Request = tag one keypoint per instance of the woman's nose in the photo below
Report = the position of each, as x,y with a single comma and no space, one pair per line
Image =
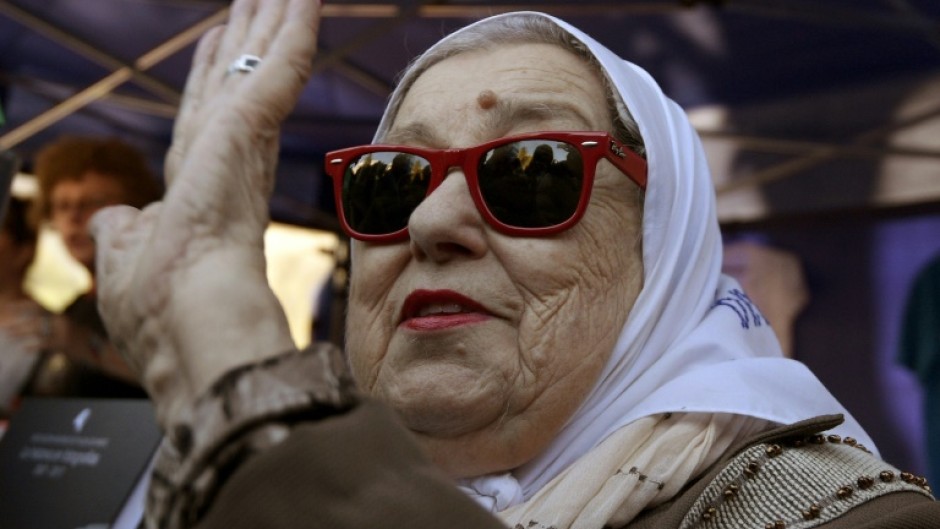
447,224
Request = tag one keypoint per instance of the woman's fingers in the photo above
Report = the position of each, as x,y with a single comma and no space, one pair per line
286,67
164,271
230,134
188,117
242,16
220,168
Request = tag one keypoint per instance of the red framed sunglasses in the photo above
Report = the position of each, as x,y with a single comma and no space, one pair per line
534,184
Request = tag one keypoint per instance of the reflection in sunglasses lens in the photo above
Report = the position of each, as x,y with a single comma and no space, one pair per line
381,189
531,183
525,184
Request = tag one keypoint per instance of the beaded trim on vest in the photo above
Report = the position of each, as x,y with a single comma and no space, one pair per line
796,485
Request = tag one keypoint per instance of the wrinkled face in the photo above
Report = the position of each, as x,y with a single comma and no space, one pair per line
73,202
486,343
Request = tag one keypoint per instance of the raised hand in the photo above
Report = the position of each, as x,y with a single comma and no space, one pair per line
182,284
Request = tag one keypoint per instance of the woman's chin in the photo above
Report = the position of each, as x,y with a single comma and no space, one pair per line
444,423
446,412
443,397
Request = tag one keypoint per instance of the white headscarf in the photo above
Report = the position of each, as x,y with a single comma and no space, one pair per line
693,342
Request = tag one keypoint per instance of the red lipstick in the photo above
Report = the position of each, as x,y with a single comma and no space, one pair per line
429,310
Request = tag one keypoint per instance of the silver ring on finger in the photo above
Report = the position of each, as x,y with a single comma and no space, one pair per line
245,63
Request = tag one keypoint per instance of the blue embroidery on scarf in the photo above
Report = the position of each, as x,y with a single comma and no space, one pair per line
742,305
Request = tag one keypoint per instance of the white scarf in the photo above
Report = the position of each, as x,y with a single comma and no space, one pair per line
693,343
639,466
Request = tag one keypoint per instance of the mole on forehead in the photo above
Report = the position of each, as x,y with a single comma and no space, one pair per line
501,114
487,99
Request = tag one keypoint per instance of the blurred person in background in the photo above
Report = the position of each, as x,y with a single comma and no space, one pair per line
25,326
77,177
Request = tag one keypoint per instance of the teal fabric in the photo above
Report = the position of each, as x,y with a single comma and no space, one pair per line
920,351
920,333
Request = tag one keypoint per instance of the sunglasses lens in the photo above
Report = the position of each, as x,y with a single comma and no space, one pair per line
381,189
532,183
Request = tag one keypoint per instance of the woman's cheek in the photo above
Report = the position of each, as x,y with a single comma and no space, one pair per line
367,340
370,320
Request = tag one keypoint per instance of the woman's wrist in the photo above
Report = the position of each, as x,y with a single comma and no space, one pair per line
217,319
248,410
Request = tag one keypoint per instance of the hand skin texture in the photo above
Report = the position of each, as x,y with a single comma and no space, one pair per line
182,285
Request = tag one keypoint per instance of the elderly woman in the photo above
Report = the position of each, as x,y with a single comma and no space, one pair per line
537,317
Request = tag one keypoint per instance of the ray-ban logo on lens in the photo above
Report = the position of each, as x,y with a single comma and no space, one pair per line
617,150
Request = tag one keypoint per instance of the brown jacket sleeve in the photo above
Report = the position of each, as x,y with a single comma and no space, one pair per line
361,469
356,470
